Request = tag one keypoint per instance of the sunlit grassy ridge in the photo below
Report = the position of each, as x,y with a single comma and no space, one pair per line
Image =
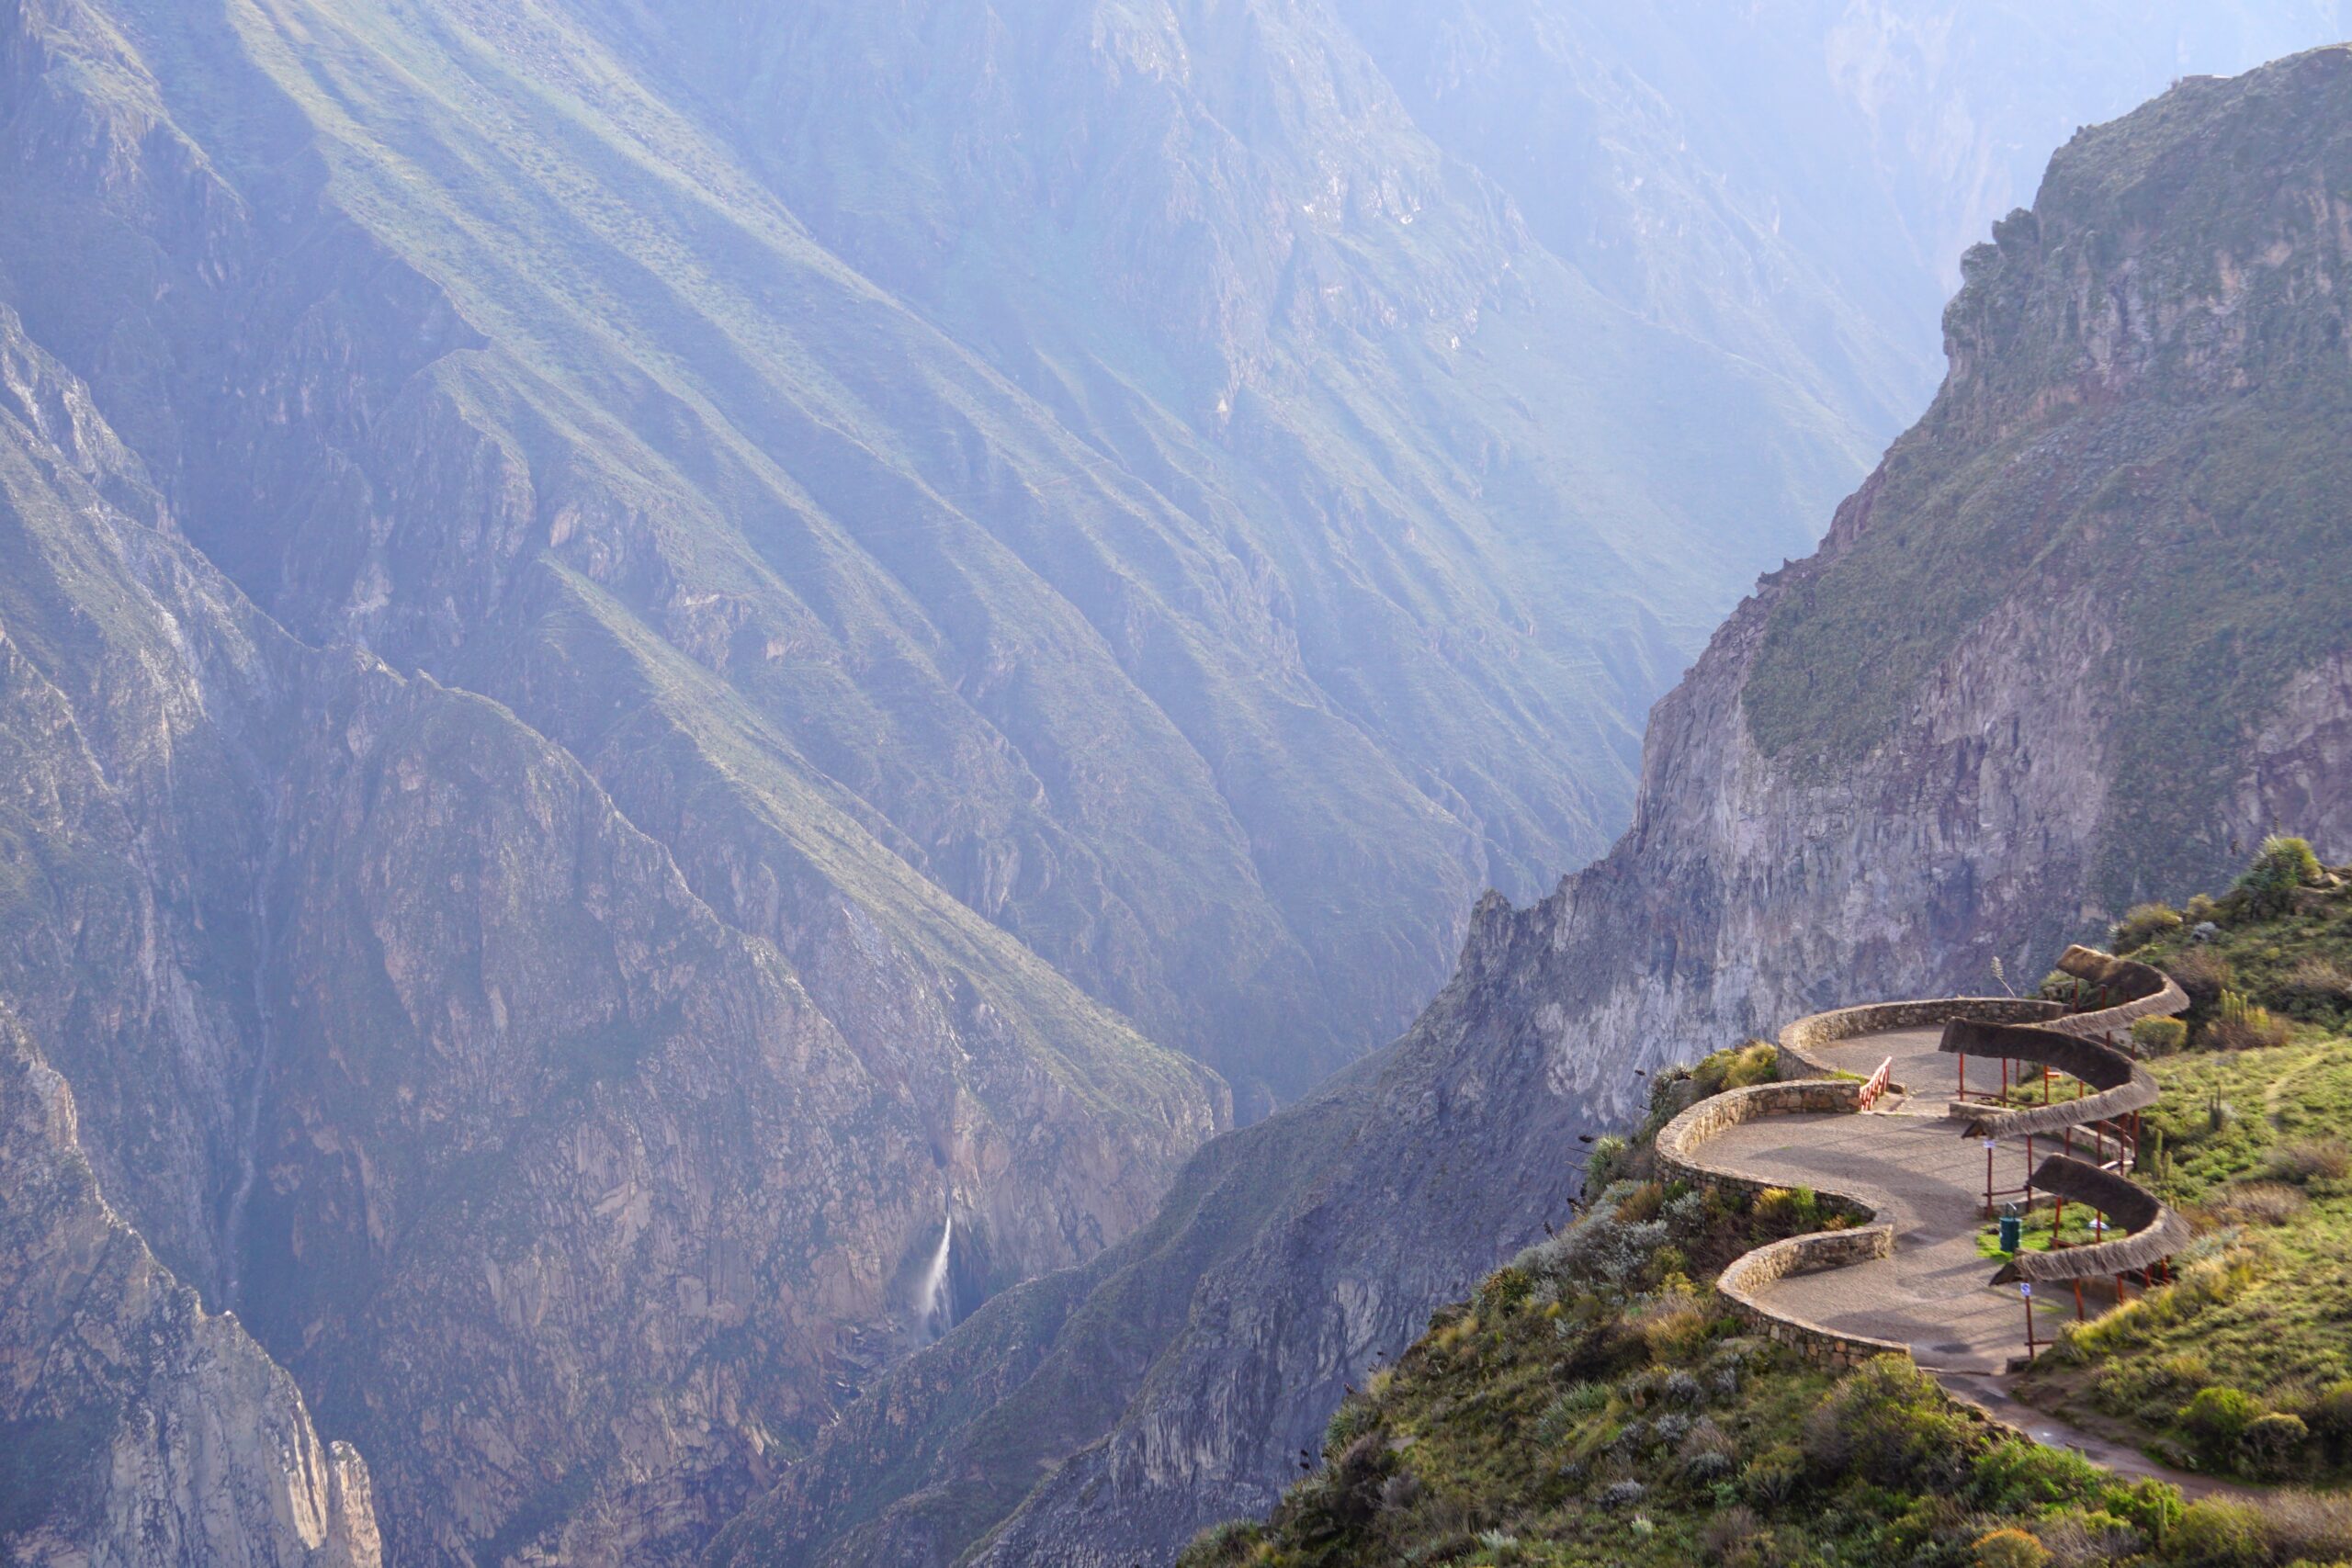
1594,1404
2245,1366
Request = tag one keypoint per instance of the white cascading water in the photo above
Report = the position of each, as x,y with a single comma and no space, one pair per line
938,1297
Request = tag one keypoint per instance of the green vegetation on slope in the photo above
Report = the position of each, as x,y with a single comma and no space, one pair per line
1595,1404
2244,1365
2172,477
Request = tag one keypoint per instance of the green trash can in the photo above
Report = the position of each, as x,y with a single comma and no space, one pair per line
2012,1233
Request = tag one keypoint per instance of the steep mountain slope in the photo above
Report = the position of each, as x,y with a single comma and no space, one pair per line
1208,661
1928,747
562,1198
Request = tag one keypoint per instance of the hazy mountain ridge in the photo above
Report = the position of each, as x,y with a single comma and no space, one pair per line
1976,818
600,731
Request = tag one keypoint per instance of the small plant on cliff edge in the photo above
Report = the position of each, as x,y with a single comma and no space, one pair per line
2142,923
2284,867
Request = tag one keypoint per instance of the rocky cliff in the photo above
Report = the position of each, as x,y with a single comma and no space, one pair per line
138,1431
2080,633
564,1199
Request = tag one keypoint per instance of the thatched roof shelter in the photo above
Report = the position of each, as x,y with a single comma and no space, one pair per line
2155,1232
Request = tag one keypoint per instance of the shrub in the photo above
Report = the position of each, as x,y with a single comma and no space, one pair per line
1789,1210
1355,1417
2011,1549
1674,1329
2261,1203
2218,1534
2243,1025
2284,866
1773,1476
2331,1416
2274,1442
2160,1036
1604,1164
2317,986
2142,923
1504,1291
1890,1424
1727,1535
2307,1527
2199,908
1622,1493
2216,1420
2204,976
2312,1159
1223,1546
1741,1067
1345,1494
2080,1540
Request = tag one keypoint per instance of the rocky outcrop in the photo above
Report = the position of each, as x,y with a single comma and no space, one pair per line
1964,731
138,1431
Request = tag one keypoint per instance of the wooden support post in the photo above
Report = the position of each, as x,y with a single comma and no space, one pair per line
2025,1290
2078,1301
2058,1215
1988,1179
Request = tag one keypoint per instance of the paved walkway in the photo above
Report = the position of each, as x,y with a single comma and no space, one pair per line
1908,1159
1912,1164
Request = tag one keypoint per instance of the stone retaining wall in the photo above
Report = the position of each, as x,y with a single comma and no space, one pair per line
1800,1040
1678,1141
1809,1254
1677,1147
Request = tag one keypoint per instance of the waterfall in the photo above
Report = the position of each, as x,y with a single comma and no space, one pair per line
935,1303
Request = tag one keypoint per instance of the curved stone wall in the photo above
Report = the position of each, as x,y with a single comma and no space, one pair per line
1800,1040
1678,1145
1809,1254
1811,1084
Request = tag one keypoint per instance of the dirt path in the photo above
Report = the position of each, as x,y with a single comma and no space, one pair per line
1991,1396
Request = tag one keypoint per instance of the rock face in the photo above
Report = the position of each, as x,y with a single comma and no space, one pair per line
566,1198
138,1431
2078,641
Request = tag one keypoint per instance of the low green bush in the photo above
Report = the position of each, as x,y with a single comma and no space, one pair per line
2330,1416
2142,923
2216,1533
2160,1036
2217,1420
2274,1442
1890,1424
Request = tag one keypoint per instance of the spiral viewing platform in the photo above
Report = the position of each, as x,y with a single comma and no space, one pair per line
1869,1115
